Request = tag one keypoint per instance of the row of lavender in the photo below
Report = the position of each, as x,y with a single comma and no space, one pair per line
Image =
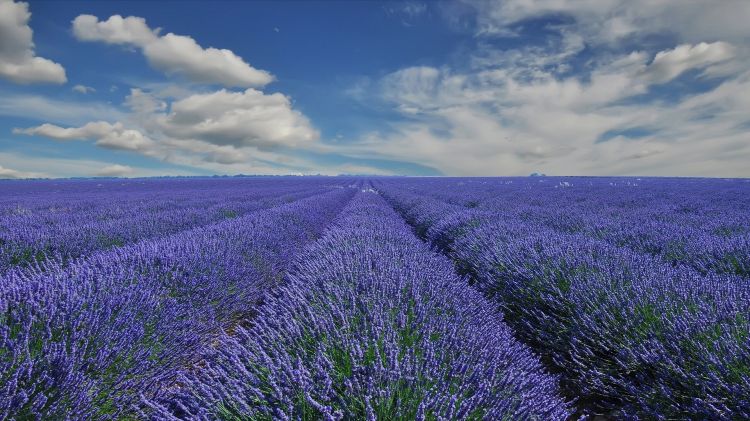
65,219
699,223
370,325
86,339
630,334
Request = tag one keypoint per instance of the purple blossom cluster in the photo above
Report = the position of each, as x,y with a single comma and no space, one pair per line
370,324
312,298
85,339
65,219
700,223
632,333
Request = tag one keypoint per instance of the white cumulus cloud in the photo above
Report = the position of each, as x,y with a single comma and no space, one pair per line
115,170
18,61
170,53
669,64
249,118
83,89
221,127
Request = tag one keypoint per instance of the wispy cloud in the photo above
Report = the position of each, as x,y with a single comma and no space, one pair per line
42,108
116,170
409,12
614,21
83,89
519,109
15,174
28,166
563,87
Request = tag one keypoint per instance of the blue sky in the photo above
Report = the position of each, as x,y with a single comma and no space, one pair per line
566,87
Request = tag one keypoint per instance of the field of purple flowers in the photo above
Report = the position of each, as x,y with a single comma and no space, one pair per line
306,298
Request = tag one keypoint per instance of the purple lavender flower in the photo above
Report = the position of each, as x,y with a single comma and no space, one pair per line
372,325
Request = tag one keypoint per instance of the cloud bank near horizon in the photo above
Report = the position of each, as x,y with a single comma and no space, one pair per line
563,87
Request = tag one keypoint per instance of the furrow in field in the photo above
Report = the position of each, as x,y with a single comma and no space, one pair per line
370,325
709,231
28,243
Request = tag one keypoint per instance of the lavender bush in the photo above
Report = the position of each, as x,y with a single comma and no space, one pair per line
632,336
700,223
65,220
85,340
371,325
298,298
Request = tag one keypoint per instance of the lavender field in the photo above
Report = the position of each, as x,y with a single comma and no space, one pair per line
382,298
